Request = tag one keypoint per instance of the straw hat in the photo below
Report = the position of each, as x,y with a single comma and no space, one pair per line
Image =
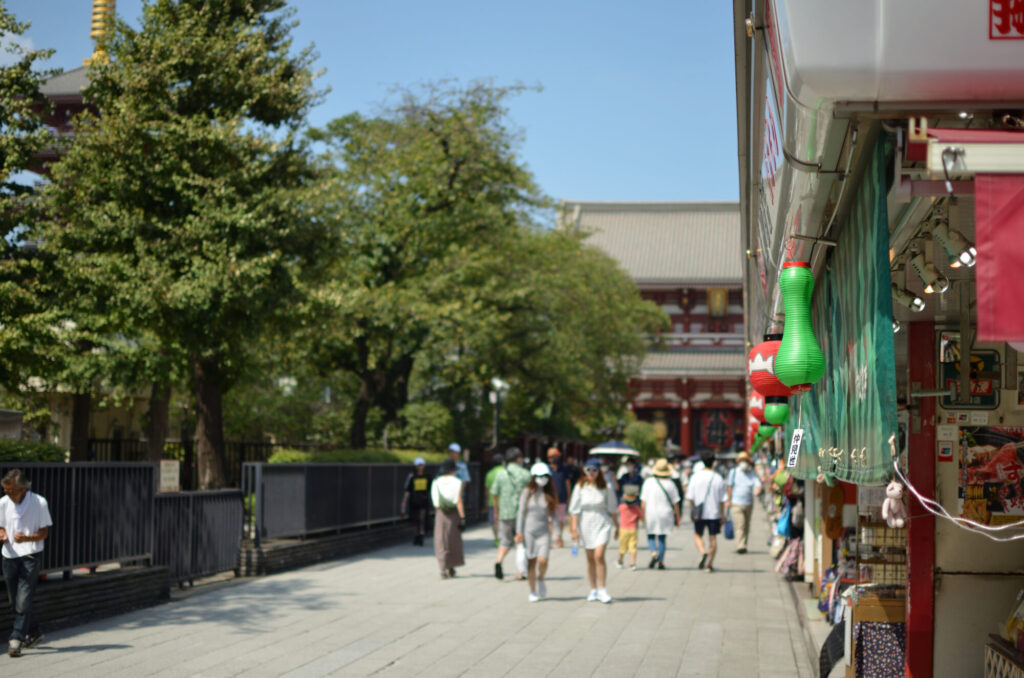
661,468
743,456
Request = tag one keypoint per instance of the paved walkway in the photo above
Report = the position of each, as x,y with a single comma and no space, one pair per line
388,614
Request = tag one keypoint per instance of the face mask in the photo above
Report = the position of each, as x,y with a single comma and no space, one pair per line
542,480
744,466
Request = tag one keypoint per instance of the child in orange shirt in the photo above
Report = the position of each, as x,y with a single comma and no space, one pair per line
629,514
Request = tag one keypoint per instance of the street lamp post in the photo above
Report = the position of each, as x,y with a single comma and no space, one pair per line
498,388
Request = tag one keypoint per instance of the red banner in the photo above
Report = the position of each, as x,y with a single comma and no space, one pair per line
999,232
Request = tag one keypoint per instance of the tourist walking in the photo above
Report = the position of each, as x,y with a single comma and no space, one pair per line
659,499
629,475
449,519
24,525
594,516
492,518
706,496
508,488
461,467
630,514
533,527
562,478
743,484
416,500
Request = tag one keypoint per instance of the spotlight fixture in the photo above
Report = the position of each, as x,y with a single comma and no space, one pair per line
931,278
907,298
896,326
961,252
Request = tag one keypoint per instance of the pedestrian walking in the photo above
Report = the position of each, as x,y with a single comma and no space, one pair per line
533,527
416,500
562,479
449,519
630,514
492,518
742,485
595,517
508,488
24,525
706,496
659,500
461,467
629,474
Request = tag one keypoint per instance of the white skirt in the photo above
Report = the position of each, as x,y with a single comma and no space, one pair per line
595,529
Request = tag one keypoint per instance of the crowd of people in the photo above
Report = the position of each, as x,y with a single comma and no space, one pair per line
531,504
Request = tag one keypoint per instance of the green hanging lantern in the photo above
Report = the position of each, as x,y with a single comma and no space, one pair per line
765,430
799,362
776,413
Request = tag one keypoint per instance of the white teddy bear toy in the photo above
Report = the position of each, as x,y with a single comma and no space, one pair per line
893,510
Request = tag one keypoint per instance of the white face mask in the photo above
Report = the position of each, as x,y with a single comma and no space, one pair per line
542,480
744,466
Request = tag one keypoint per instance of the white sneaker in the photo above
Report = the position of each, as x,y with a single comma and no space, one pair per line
603,596
542,589
593,596
533,597
618,564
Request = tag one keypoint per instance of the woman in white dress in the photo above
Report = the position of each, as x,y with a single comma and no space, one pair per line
659,499
595,516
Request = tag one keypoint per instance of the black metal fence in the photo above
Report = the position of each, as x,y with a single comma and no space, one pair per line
294,500
198,533
101,513
110,513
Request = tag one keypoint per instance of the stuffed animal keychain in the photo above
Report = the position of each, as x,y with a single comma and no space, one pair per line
893,510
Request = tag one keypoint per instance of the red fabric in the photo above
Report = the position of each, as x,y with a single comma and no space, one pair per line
999,234
976,136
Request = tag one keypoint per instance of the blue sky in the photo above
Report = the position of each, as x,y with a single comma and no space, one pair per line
638,100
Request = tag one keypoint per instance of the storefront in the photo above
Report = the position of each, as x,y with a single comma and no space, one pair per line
882,150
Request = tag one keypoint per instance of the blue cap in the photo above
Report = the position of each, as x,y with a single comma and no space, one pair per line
418,461
592,462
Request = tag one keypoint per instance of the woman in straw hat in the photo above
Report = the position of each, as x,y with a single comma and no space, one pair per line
659,499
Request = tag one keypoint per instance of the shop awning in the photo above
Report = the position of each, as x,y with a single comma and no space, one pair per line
999,238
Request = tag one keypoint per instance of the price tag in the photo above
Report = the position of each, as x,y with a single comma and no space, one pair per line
794,447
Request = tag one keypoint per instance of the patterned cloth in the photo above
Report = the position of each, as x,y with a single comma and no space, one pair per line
508,487
880,645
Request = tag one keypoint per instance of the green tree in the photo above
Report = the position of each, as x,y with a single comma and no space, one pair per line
181,204
26,319
418,190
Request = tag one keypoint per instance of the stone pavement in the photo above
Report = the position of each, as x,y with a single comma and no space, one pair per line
388,613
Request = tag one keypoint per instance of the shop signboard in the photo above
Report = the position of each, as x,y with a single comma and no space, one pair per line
985,369
991,474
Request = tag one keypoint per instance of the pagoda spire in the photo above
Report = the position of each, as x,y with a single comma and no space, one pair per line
102,25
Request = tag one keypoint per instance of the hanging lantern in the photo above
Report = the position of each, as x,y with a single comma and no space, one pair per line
755,405
799,362
761,370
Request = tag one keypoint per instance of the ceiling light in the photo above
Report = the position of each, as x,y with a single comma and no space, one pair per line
896,326
932,280
907,298
961,252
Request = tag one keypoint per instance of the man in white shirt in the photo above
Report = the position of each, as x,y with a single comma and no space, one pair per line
24,524
706,497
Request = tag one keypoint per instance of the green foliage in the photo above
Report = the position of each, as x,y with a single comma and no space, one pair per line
426,426
27,317
641,436
365,455
25,451
180,212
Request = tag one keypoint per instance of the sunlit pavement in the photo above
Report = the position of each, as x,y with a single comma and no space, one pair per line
389,614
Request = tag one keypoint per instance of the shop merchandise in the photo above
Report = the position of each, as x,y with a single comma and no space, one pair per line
893,510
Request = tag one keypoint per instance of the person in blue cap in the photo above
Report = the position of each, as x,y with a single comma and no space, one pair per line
594,513
461,467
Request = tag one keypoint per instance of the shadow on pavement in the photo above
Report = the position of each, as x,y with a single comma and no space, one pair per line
43,649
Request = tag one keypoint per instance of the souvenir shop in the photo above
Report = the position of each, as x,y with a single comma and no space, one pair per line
882,197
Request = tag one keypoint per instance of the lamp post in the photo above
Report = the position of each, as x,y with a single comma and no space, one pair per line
498,388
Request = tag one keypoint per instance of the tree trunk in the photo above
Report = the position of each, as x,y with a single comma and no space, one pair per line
209,425
357,434
81,408
156,427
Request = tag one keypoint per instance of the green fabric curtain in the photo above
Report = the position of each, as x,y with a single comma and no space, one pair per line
851,412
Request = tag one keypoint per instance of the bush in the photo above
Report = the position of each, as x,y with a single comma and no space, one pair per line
369,455
26,450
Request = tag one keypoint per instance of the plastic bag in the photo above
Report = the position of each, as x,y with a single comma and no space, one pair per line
728,530
784,527
521,561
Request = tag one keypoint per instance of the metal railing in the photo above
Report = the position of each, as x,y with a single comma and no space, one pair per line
101,512
296,500
198,533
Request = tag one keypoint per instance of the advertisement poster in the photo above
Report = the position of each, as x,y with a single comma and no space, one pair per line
991,483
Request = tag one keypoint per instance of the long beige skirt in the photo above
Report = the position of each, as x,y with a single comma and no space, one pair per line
448,540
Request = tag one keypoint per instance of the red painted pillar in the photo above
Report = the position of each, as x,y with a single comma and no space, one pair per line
921,530
685,429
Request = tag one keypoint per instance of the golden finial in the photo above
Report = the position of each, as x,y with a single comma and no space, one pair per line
102,24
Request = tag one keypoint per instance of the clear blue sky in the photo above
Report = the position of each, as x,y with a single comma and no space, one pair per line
638,100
